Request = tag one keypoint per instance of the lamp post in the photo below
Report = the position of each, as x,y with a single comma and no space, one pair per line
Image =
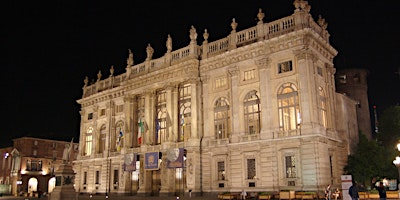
396,162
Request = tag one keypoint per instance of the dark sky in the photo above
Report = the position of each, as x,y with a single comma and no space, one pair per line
48,47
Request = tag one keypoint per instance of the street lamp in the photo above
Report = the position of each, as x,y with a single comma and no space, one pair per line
396,162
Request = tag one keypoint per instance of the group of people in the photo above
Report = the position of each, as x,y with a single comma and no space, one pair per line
353,192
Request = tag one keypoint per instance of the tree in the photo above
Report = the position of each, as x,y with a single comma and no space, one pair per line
366,162
375,158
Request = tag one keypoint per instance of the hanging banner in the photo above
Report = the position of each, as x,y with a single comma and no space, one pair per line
175,158
151,160
129,162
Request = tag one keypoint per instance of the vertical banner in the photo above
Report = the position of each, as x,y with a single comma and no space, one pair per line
151,160
175,158
346,183
130,162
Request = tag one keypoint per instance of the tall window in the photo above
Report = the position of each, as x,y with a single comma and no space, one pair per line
88,141
322,107
251,168
116,176
161,118
221,118
102,139
221,170
184,112
84,178
97,178
290,165
288,107
119,136
138,140
252,113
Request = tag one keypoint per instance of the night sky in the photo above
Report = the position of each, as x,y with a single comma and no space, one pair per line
47,48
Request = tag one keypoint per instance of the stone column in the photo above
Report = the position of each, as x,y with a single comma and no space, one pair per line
234,107
266,98
306,89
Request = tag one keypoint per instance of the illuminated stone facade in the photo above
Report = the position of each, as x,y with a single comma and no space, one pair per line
256,110
28,166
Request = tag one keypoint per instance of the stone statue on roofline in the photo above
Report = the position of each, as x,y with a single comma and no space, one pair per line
193,34
150,52
169,43
129,61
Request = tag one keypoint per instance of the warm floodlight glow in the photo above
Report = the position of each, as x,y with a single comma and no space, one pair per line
397,161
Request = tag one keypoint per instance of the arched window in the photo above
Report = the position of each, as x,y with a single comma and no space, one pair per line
88,141
322,107
221,118
184,112
288,107
252,113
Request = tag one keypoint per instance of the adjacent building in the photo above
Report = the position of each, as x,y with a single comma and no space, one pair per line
256,110
28,166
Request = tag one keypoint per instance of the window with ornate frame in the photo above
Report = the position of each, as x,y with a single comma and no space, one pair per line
97,177
252,113
322,107
290,166
88,141
285,67
221,170
119,136
161,118
251,168
102,139
184,120
221,118
288,107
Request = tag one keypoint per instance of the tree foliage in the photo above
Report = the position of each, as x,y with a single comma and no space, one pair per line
374,158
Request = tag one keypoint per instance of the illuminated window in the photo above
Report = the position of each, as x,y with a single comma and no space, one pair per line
285,67
118,136
184,112
161,118
220,82
88,141
288,107
249,75
290,166
322,107
221,118
221,170
252,113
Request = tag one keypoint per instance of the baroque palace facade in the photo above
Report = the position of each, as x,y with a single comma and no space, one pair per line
256,110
